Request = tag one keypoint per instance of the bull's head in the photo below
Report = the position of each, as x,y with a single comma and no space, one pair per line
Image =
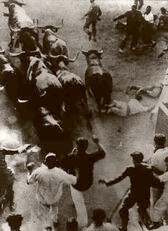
51,28
92,56
61,61
95,52
35,67
28,38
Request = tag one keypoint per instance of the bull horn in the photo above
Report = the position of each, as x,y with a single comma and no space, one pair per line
43,94
57,56
14,30
16,54
84,52
75,58
23,100
100,52
59,27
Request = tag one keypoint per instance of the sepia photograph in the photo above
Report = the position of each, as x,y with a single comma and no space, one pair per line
83,115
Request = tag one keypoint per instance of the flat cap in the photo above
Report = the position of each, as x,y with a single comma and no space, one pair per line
50,155
138,156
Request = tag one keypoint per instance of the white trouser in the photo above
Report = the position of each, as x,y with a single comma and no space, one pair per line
160,209
48,214
80,207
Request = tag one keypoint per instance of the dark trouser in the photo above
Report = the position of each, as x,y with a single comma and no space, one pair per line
91,23
128,203
134,39
140,4
147,33
6,185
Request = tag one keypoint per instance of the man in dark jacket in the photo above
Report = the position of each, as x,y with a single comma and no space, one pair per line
92,16
81,164
142,179
134,20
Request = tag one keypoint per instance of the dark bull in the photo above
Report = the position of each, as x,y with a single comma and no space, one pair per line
51,42
98,82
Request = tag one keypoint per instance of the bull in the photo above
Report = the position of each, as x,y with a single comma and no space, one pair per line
48,126
8,77
98,81
17,20
51,42
73,87
46,88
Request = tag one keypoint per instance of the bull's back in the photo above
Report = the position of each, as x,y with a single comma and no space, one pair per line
98,79
58,47
72,84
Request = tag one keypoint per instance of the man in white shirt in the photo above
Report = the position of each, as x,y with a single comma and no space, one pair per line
160,153
148,15
49,180
132,107
148,27
161,206
157,161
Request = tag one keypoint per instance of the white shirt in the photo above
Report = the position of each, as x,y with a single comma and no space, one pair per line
122,108
136,107
104,227
164,178
149,17
157,160
50,183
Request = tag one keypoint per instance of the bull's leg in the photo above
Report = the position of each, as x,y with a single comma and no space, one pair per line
10,45
14,43
10,197
87,112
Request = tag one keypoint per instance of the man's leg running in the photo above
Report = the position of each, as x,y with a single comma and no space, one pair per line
79,203
94,30
86,28
127,204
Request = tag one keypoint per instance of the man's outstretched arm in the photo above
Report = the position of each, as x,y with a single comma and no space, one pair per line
100,154
116,180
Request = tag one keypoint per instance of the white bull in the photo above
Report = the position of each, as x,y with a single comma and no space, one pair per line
18,19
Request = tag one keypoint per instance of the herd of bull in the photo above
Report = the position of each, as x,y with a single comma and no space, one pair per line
43,77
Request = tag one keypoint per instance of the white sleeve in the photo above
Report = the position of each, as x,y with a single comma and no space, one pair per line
154,160
69,179
111,227
164,177
32,178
